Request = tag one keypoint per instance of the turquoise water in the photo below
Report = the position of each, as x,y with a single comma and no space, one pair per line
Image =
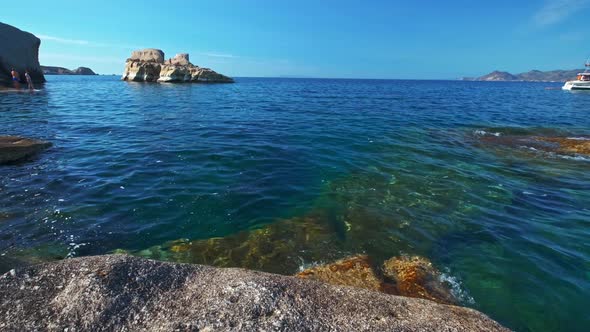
382,167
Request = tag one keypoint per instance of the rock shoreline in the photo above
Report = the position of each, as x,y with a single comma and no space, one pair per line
19,50
125,293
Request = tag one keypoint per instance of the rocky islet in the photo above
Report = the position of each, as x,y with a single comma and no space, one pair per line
148,65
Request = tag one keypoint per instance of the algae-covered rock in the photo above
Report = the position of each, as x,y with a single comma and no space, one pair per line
13,148
569,145
123,293
355,271
540,140
280,247
416,277
402,275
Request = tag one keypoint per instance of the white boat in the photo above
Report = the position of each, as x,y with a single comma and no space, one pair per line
582,81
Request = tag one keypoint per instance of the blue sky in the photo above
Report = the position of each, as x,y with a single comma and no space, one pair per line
328,38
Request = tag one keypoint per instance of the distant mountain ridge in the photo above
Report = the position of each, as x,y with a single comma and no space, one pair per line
530,76
50,70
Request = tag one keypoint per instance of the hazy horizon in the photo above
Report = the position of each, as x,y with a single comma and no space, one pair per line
344,39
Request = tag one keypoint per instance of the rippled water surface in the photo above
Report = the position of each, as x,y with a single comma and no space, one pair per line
276,174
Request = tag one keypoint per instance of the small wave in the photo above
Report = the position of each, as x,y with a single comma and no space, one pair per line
480,132
456,288
579,138
575,157
308,265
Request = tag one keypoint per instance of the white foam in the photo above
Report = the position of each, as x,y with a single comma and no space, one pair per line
304,266
480,132
456,288
577,157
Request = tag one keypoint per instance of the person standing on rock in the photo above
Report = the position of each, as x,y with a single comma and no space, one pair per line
15,78
29,80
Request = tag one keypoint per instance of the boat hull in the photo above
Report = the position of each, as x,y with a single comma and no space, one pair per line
576,85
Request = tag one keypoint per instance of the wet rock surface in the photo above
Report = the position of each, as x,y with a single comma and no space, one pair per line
577,145
415,276
356,271
14,148
407,276
117,293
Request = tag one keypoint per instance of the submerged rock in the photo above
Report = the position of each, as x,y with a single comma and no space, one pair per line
123,293
13,148
281,247
544,141
19,50
569,145
149,66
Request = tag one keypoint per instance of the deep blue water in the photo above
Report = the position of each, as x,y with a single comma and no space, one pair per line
397,166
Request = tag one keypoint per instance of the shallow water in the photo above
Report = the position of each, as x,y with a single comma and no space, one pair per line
284,173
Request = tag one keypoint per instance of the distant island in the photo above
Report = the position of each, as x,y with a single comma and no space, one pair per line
50,70
531,76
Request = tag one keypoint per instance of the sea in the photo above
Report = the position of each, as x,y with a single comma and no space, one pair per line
279,174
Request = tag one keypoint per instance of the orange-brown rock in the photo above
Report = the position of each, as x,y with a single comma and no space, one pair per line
416,277
569,145
355,271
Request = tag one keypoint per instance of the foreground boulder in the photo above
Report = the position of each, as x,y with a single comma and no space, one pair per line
124,293
148,65
14,148
19,50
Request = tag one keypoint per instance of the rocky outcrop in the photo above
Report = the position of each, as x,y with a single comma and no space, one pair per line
415,276
355,271
144,65
51,70
13,148
148,65
148,55
19,50
123,293
403,275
